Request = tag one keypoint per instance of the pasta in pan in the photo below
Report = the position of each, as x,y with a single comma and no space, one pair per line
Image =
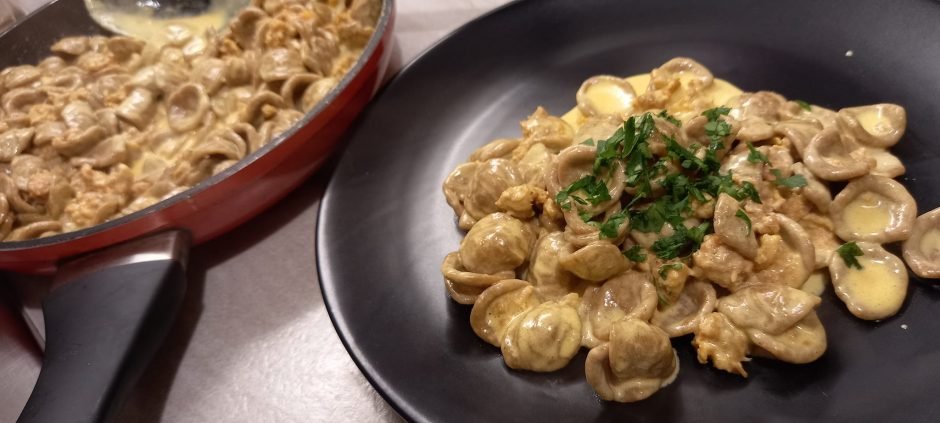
110,125
670,204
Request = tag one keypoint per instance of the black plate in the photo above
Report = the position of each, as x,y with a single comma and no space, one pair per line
384,226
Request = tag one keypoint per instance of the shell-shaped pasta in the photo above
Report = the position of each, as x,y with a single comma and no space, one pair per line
533,163
33,230
833,157
7,217
262,106
877,125
70,46
638,361
137,108
317,91
922,249
720,341
802,343
279,64
799,131
605,95
500,148
628,295
576,162
19,76
876,290
491,178
221,143
595,262
12,194
19,100
769,308
78,115
209,73
245,25
247,133
457,187
875,209
498,305
23,167
124,47
14,142
815,191
321,51
733,230
552,131
819,228
187,107
756,113
597,128
104,154
463,286
239,70
544,338
683,315
498,242
550,279
292,91
78,141
684,67
886,164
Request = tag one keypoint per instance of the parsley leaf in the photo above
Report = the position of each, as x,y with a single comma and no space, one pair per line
669,118
804,105
609,228
596,190
740,214
684,157
635,253
716,128
588,141
682,243
755,156
664,269
650,219
586,216
795,181
849,251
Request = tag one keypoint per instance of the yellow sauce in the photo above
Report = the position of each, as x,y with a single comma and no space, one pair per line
816,283
869,213
609,98
872,121
159,31
877,286
930,243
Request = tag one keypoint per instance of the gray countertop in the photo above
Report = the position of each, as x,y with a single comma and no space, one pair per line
253,342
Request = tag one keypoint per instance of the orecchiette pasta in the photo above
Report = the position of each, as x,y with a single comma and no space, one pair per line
110,125
670,204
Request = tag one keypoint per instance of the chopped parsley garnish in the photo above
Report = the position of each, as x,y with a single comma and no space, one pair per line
755,156
609,227
697,181
849,251
595,189
588,141
795,181
683,242
635,253
740,214
664,269
804,105
669,118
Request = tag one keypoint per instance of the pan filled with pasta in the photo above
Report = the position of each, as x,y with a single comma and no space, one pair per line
125,151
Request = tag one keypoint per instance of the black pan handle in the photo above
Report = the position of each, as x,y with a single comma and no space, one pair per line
105,317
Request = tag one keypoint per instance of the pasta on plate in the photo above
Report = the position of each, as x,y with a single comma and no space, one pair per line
108,126
670,204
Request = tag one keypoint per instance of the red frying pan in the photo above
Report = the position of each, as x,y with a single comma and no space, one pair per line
118,285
